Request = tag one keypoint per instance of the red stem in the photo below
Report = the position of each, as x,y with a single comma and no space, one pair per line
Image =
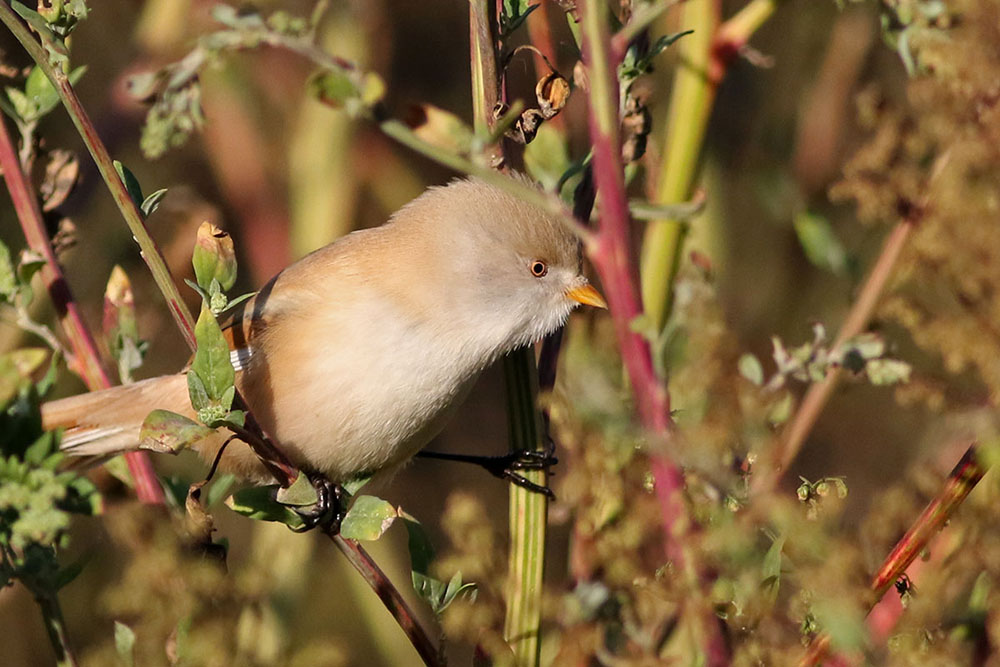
88,361
963,478
390,597
610,251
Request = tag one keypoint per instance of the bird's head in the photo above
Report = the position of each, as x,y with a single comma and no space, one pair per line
508,272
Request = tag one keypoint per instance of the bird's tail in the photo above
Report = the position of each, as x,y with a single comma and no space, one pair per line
107,422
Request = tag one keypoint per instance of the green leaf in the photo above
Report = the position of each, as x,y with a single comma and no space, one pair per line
666,41
169,432
130,181
301,493
52,42
771,569
257,502
40,449
751,369
418,544
888,371
219,488
782,410
353,485
368,519
333,87
8,278
41,94
65,576
125,643
211,360
547,157
515,20
820,243
429,589
197,393
23,109
455,588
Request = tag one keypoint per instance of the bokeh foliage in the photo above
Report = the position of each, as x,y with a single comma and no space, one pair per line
792,221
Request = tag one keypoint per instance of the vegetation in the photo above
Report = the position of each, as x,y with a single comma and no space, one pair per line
736,484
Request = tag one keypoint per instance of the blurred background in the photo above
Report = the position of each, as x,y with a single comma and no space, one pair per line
285,174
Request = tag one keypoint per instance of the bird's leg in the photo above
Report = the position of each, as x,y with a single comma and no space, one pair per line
505,466
329,509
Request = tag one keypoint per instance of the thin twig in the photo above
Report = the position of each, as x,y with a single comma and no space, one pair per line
133,217
88,360
818,394
390,597
963,478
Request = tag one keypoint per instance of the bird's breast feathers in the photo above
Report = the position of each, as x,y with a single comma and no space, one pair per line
378,390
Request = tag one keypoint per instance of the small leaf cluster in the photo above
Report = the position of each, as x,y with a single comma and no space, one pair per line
36,499
211,378
28,105
54,21
175,91
864,354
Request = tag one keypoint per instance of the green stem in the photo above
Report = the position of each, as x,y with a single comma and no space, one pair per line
528,513
705,54
133,218
687,119
528,510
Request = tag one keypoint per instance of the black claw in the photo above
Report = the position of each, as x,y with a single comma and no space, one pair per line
328,511
526,483
505,465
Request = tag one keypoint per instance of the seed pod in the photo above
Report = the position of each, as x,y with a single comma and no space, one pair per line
552,92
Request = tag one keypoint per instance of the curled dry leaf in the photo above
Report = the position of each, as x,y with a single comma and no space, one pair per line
61,174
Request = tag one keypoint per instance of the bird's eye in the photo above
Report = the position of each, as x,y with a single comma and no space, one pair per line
539,268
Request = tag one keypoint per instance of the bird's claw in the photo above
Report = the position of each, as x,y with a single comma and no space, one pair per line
506,466
328,512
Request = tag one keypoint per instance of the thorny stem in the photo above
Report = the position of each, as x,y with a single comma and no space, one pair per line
963,478
818,394
610,252
390,597
85,355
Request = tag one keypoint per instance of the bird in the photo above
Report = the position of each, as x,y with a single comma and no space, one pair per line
353,358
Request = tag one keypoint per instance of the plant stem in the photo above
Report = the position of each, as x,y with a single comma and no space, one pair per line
705,56
88,360
610,252
133,217
528,510
691,100
963,478
818,394
390,597
528,513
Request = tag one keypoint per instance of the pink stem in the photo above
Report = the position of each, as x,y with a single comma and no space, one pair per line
88,360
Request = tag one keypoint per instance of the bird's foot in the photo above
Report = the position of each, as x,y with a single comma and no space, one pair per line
507,466
329,510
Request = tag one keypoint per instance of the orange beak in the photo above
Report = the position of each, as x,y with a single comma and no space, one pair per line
587,295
